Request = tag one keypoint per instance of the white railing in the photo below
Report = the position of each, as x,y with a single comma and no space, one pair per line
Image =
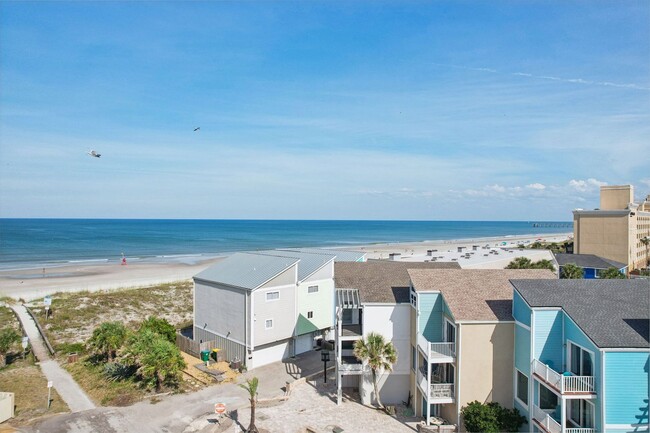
579,430
563,383
436,350
343,367
442,349
545,420
442,390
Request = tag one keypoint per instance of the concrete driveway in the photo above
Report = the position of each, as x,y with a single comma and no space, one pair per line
175,413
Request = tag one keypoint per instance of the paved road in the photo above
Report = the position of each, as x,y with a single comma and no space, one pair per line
178,413
65,385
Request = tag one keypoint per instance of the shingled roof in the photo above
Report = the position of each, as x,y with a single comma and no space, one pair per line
587,261
475,294
613,313
381,281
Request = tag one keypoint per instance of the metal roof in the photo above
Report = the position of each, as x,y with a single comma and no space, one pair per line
341,255
309,262
587,261
613,313
245,270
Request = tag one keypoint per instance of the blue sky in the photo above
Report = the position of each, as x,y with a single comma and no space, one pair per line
327,110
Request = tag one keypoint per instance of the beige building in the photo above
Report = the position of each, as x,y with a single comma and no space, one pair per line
462,337
617,229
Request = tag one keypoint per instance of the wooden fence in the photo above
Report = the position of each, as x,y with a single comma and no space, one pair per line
192,347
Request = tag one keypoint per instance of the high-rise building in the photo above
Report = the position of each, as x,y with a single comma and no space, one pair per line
618,230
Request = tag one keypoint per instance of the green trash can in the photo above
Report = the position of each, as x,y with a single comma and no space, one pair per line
205,355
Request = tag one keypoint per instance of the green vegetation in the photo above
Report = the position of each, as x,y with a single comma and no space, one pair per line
379,354
491,418
553,246
107,339
572,271
526,263
161,327
159,361
8,338
251,387
611,274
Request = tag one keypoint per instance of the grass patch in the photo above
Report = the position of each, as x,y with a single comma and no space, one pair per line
76,315
30,388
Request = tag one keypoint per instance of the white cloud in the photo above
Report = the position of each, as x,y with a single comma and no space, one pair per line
588,185
537,186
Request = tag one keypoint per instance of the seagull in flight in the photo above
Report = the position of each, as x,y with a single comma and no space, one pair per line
95,154
197,128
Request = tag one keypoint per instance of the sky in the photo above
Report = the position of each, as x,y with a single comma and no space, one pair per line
501,110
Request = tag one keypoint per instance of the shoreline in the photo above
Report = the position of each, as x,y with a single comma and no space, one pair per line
107,275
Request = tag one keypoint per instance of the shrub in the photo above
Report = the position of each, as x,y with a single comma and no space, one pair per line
491,418
118,371
8,337
161,327
571,271
611,274
108,338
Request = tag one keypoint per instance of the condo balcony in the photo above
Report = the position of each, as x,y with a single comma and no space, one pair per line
567,383
350,365
437,352
438,393
548,424
351,330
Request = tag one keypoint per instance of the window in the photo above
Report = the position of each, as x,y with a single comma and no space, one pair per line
347,316
581,413
450,332
414,353
414,299
312,289
547,398
268,324
580,361
272,296
522,388
310,314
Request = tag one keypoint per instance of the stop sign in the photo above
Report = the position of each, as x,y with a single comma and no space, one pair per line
219,408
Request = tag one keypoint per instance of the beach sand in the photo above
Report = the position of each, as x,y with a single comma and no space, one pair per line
33,283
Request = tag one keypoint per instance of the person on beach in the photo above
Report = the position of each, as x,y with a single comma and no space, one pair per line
123,260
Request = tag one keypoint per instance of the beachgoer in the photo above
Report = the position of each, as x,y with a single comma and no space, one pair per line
124,261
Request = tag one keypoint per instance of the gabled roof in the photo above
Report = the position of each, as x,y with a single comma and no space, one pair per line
587,261
309,262
341,255
613,313
475,294
248,271
381,281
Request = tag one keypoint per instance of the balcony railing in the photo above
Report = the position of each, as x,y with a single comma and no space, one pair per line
545,420
442,390
437,350
579,430
350,368
562,383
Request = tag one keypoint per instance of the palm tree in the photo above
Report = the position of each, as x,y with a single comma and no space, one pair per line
108,338
543,264
611,274
379,354
572,271
251,386
520,263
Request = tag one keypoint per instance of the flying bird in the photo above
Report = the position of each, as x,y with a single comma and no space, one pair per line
197,128
95,154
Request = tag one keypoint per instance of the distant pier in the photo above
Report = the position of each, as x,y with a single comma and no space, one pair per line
553,225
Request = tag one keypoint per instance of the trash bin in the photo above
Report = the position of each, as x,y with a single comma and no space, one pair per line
216,355
205,355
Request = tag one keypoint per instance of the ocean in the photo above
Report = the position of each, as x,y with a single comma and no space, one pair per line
33,243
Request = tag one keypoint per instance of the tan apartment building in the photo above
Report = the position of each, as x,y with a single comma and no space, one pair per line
617,229
462,339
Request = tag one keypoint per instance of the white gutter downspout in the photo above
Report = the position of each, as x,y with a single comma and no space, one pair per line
530,370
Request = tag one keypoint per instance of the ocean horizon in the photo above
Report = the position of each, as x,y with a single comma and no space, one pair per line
42,242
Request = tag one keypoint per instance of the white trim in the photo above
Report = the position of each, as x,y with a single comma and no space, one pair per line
266,321
528,388
568,358
623,349
548,308
459,348
523,325
251,298
593,412
624,426
530,363
602,389
445,337
268,292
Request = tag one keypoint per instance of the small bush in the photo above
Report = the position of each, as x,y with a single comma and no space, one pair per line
491,418
161,327
117,371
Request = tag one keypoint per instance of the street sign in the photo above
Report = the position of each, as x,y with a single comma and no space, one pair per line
47,301
49,384
219,408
